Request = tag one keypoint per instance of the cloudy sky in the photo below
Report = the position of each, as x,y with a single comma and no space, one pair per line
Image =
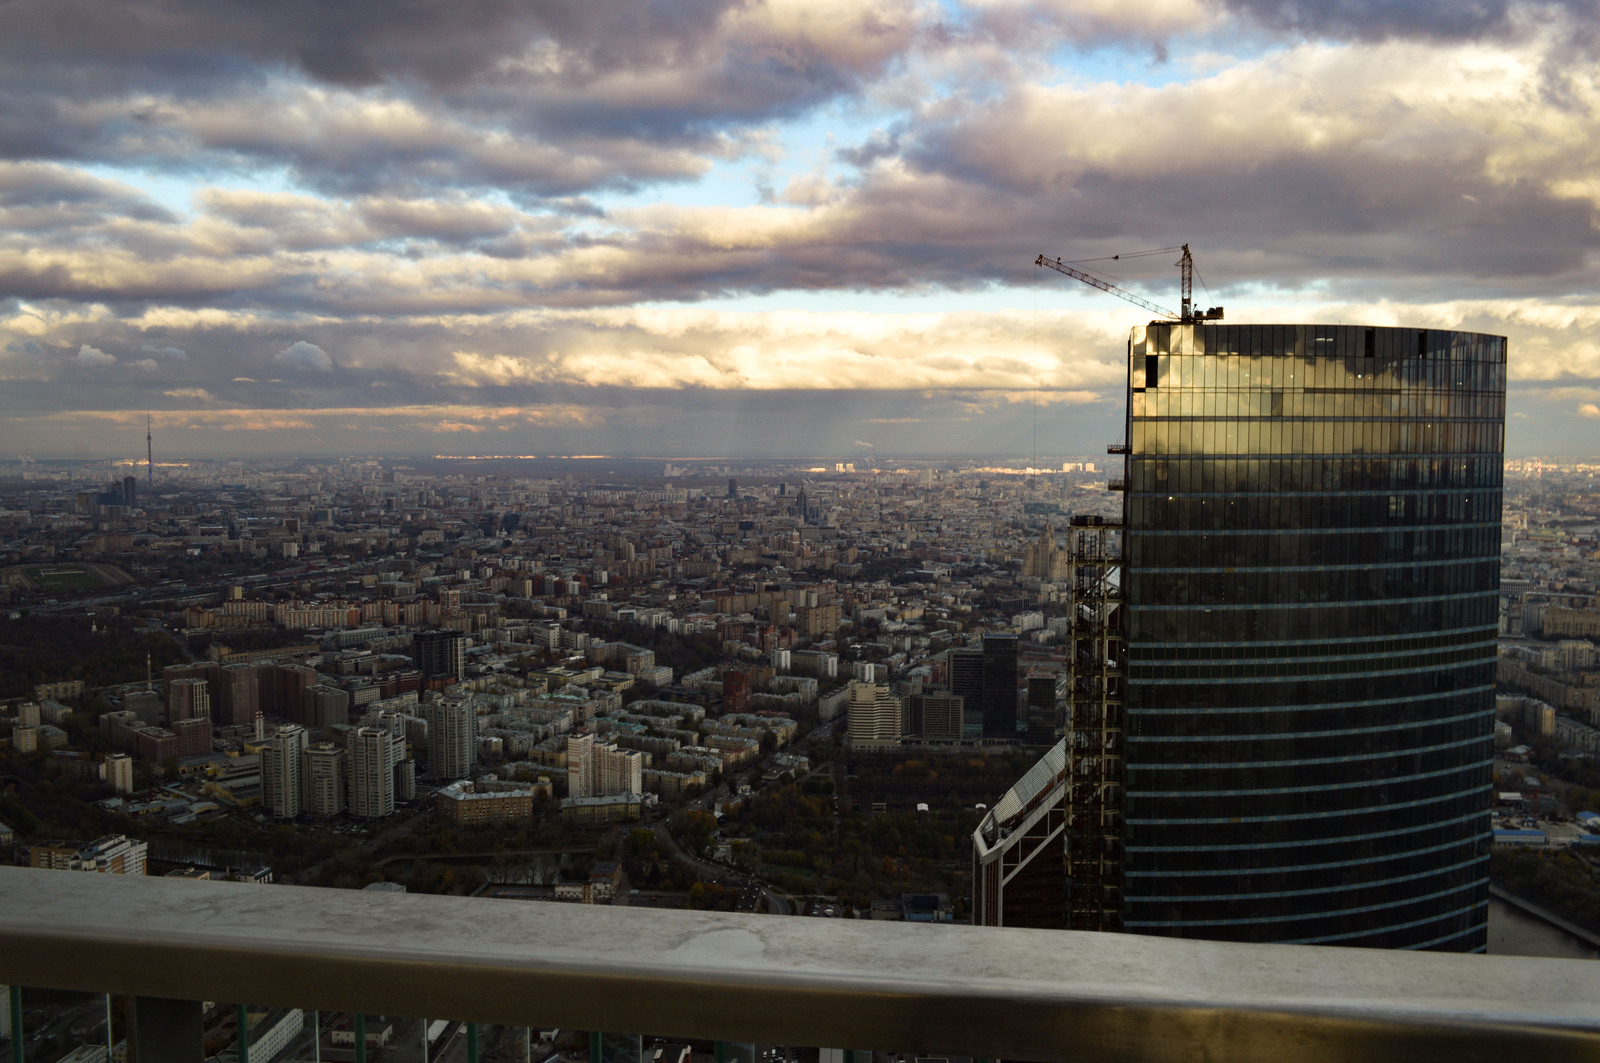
712,227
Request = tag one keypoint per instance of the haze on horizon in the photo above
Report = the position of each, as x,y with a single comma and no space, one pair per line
759,228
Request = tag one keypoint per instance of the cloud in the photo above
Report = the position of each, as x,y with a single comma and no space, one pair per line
164,352
93,357
147,365
1589,409
1379,20
200,394
303,355
27,347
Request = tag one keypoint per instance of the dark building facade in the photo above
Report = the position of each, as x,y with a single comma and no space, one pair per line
439,654
1000,686
966,683
1310,586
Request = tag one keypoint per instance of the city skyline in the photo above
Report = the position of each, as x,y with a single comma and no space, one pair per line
740,229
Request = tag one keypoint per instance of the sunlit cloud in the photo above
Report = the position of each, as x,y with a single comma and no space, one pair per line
662,222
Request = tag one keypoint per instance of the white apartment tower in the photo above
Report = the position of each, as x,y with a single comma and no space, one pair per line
119,772
280,772
601,769
618,771
324,772
371,773
580,765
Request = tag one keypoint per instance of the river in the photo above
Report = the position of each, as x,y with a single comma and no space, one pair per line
1515,933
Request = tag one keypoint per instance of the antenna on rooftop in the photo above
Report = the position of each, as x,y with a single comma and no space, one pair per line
149,453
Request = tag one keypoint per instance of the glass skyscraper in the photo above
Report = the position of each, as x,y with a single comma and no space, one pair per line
1310,583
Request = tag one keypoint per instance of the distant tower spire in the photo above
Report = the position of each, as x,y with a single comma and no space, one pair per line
149,453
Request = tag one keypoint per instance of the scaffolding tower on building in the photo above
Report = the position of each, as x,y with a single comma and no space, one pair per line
1094,746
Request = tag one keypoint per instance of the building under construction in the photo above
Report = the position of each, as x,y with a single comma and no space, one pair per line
1283,655
1048,854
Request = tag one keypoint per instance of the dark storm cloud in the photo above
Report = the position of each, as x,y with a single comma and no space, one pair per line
356,42
1436,20
544,100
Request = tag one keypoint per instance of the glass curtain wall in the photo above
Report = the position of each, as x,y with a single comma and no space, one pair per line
1312,566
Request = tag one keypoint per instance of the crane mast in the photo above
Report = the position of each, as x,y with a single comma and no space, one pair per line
1185,265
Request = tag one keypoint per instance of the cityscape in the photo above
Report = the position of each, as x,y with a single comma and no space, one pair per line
861,531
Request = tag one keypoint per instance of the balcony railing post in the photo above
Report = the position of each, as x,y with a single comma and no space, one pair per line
361,1037
241,1019
166,1031
595,1047
14,993
472,1042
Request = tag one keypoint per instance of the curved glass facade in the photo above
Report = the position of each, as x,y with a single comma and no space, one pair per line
1311,583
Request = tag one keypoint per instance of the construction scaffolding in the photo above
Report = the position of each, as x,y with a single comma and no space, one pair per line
1094,747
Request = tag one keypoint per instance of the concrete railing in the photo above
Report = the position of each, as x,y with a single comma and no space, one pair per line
929,989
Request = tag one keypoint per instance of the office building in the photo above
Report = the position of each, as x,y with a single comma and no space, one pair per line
965,667
371,772
440,654
1017,872
452,737
1045,690
281,784
1000,686
933,715
874,716
1281,716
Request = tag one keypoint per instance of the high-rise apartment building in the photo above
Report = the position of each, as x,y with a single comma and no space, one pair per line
119,772
452,737
1280,726
440,654
188,699
281,784
239,694
371,772
324,773
580,765
618,771
599,769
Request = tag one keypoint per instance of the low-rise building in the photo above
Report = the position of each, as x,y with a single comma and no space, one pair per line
468,803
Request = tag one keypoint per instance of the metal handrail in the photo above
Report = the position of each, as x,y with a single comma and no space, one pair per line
978,991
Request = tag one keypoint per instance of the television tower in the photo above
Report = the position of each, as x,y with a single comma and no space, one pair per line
149,454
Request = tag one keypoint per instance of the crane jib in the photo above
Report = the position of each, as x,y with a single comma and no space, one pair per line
1186,267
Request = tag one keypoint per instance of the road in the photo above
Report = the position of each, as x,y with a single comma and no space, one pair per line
777,903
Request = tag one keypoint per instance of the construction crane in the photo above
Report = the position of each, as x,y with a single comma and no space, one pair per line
1185,266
